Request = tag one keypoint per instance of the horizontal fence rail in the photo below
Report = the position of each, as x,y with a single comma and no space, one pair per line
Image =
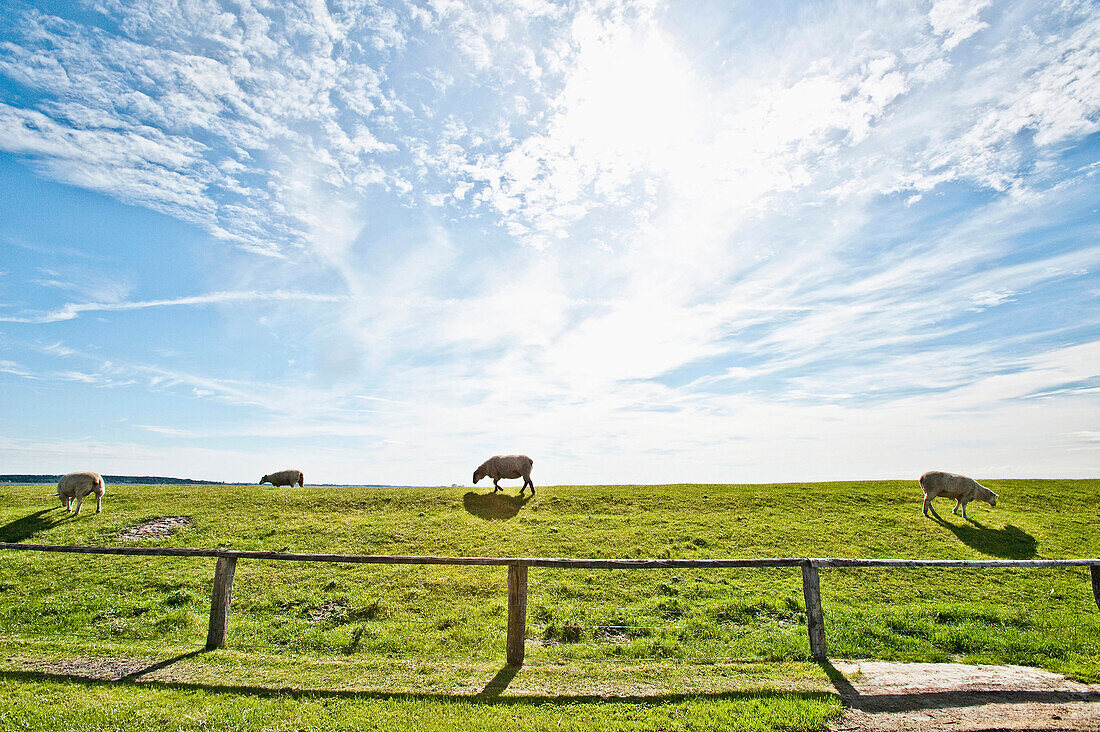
222,592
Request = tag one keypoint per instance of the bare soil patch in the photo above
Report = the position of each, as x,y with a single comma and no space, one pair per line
883,697
154,528
91,667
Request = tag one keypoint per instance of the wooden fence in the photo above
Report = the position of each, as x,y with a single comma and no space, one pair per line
222,594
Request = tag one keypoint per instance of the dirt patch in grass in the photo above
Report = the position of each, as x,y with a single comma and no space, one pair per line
91,667
883,697
154,528
330,611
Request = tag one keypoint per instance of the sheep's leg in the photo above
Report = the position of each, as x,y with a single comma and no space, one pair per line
955,510
79,500
496,486
527,482
927,503
964,508
98,504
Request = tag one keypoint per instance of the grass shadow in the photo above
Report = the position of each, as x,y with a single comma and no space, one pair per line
1011,542
481,697
493,506
26,527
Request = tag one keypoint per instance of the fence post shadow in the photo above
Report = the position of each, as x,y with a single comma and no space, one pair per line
848,693
133,675
499,683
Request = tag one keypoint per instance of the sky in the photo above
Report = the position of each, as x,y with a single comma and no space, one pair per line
641,242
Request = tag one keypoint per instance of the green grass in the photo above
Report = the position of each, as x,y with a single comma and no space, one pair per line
63,706
651,635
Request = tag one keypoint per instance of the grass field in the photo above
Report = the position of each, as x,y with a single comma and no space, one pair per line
364,647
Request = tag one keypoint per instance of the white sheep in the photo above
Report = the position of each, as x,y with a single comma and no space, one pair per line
949,485
285,477
507,466
76,486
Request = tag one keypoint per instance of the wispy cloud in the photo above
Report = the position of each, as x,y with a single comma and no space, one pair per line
15,369
85,285
214,137
73,310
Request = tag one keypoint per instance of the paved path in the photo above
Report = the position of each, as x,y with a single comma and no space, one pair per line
883,697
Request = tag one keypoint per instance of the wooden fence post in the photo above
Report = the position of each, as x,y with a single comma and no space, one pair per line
1094,570
220,600
517,612
815,620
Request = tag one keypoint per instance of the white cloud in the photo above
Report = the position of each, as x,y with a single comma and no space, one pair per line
146,114
74,310
15,369
167,430
957,20
86,284
792,246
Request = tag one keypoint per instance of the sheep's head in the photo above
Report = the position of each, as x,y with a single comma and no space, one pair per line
992,499
263,480
478,475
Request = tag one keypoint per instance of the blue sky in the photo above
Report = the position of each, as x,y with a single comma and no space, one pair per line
638,241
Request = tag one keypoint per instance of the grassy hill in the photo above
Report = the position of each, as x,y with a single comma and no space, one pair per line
689,649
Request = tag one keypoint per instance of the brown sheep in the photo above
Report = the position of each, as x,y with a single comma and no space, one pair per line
507,466
285,477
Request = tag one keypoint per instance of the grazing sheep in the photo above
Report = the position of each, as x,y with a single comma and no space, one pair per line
285,477
78,485
507,466
962,489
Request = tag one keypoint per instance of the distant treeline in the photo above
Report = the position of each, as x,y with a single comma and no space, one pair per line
161,480
131,479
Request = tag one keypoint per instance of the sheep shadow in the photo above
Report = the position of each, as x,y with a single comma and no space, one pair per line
26,527
1011,542
493,506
